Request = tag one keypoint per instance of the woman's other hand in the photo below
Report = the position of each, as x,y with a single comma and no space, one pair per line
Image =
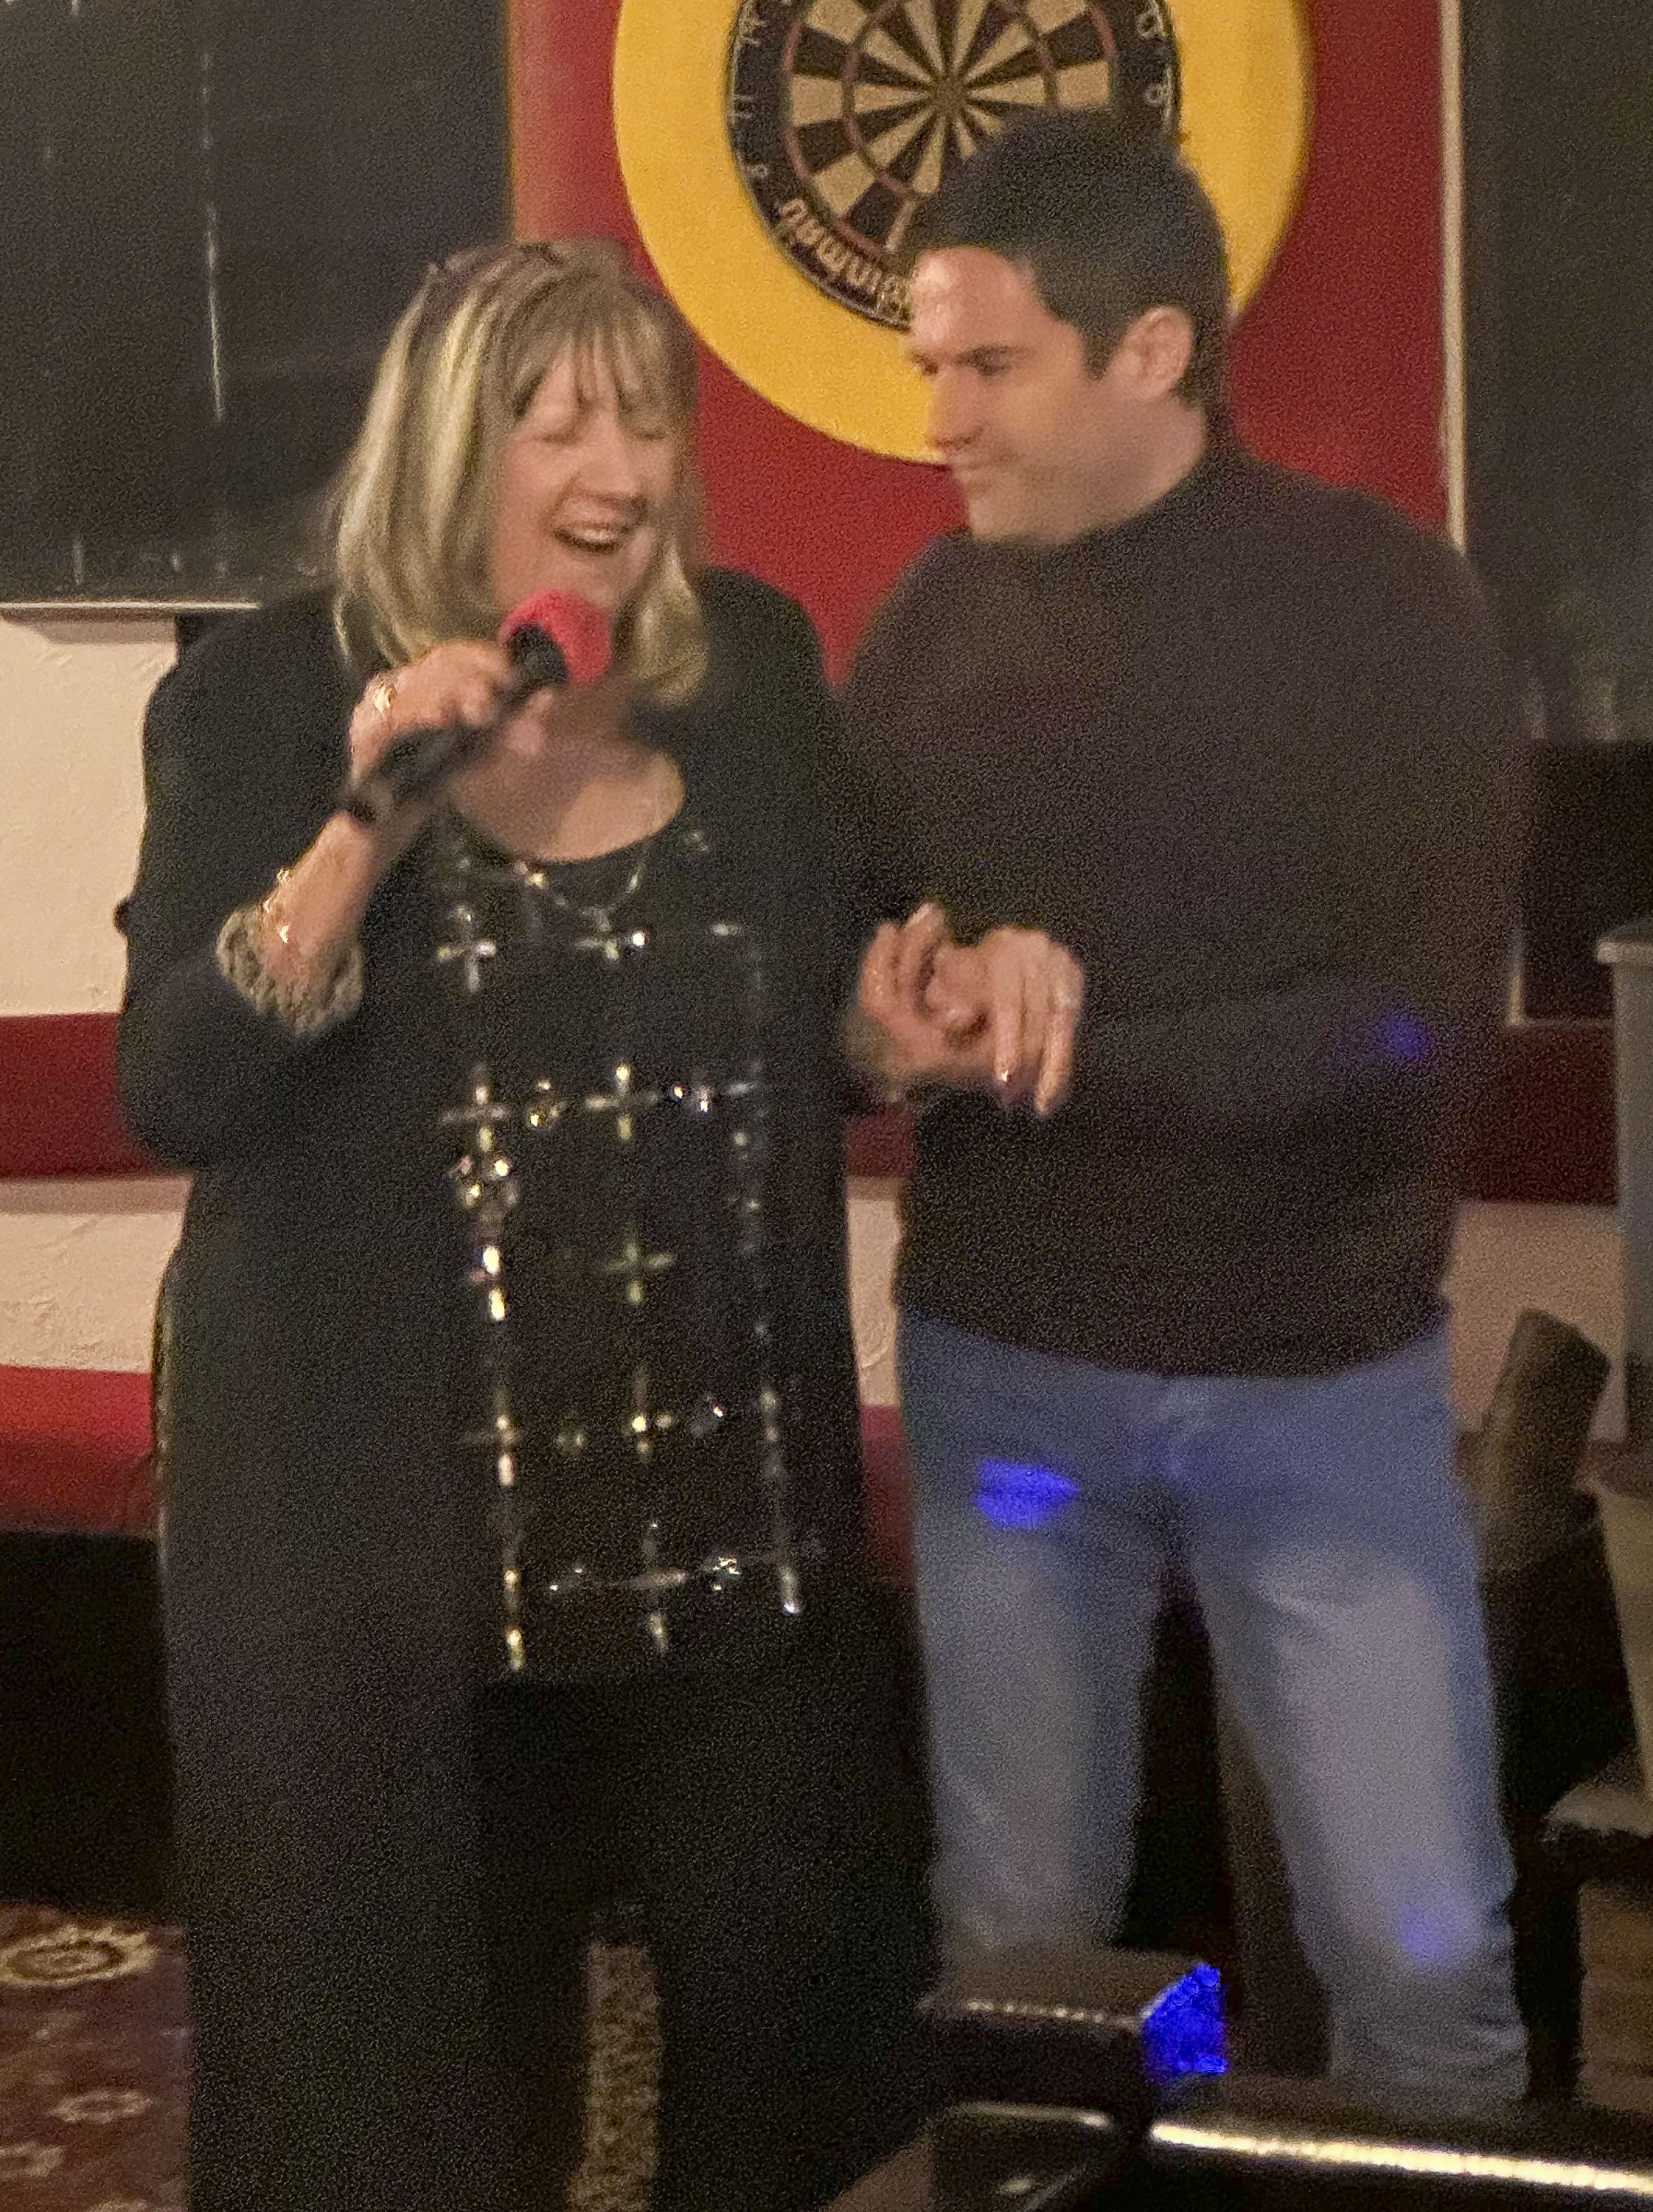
1018,995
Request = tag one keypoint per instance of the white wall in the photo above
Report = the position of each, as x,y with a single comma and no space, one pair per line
79,1265
1566,1260
79,1261
71,703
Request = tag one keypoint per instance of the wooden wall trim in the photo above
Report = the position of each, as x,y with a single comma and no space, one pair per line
1548,1132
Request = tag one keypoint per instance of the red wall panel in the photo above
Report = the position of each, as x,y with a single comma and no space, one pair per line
1337,364
74,1450
58,1112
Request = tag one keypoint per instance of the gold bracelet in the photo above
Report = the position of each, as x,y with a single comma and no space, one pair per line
269,918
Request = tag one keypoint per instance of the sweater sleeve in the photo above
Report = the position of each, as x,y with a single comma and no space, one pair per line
243,747
1422,765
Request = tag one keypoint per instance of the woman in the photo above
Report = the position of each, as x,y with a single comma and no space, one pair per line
538,1810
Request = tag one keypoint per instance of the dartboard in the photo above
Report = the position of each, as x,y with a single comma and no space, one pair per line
774,153
845,115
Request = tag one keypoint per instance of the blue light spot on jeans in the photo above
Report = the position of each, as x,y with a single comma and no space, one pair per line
1437,1935
1013,1494
1182,2031
1405,1038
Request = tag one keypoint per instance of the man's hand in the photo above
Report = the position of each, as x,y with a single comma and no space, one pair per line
999,1016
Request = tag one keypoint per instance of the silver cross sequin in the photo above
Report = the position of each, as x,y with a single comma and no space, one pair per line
623,1100
637,1268
469,949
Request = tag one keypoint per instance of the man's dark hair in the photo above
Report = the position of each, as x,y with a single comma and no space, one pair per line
1107,220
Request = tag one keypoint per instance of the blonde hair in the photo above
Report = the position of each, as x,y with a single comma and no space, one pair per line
412,516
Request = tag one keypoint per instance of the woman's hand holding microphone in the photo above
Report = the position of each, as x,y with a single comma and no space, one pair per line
437,721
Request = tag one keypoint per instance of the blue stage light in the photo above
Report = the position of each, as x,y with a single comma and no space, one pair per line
1406,1038
1014,1495
1182,2030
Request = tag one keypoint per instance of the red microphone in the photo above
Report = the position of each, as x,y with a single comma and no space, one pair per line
581,635
555,639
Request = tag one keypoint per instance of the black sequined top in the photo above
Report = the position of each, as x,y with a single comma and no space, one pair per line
624,1355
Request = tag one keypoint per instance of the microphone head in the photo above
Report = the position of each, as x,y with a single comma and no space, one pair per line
539,661
555,627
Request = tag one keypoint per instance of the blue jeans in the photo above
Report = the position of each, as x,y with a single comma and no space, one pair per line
1321,1523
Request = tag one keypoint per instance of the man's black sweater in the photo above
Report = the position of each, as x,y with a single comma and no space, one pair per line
1252,757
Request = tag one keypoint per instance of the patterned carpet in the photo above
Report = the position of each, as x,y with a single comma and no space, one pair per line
94,2063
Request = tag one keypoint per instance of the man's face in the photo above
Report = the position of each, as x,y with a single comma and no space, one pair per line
1041,446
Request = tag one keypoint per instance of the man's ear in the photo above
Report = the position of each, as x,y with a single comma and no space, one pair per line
1157,349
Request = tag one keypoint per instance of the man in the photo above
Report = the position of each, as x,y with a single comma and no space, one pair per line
1238,748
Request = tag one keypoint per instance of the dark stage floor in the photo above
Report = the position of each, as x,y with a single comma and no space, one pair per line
93,2001
94,2063
93,2009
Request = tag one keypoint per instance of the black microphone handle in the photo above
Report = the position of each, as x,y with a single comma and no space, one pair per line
416,762
412,767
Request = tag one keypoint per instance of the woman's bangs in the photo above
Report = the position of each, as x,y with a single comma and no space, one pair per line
621,348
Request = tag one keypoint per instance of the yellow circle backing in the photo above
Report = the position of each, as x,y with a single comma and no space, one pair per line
1247,97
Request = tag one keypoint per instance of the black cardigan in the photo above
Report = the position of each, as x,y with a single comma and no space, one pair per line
329,1584
313,1295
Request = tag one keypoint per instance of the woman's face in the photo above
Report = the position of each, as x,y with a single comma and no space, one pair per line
584,494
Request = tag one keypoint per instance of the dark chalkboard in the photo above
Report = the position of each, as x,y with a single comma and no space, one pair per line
213,211
1558,120
1559,264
